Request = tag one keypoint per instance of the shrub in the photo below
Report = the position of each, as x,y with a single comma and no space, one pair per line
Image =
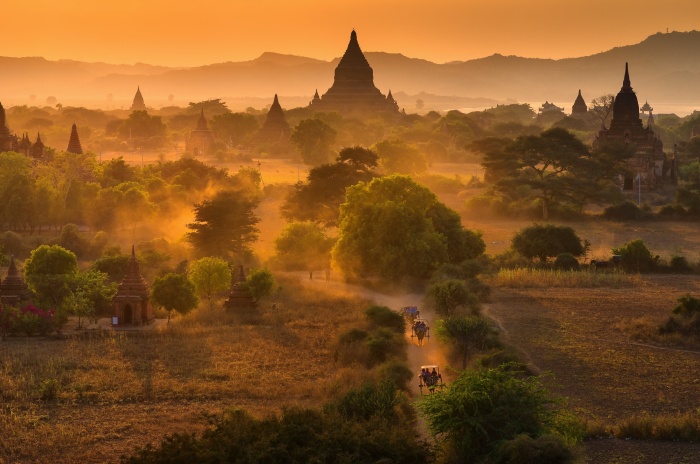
546,449
382,316
636,257
48,391
260,282
383,344
679,264
450,295
566,262
626,211
397,372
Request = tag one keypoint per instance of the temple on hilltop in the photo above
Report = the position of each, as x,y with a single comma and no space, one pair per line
201,138
74,142
579,108
240,297
132,305
649,166
275,128
11,142
13,290
138,104
353,89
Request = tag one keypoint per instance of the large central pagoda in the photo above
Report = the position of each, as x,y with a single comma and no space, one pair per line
353,89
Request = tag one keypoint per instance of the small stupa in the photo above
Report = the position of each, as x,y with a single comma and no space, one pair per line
13,290
240,297
74,142
579,107
132,305
138,103
201,138
275,128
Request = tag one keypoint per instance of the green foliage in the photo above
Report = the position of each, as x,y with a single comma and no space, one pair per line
545,449
303,246
48,272
296,435
685,319
396,372
113,265
394,228
383,316
224,226
260,283
451,295
209,275
174,292
680,264
636,257
140,124
626,211
398,157
566,262
464,334
238,128
545,241
371,400
48,391
384,343
481,410
314,139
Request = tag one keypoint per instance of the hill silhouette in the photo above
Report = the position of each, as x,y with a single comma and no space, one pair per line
664,68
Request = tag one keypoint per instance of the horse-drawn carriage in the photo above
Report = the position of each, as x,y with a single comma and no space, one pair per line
410,313
420,329
430,378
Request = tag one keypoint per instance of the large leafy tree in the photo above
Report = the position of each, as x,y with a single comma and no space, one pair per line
303,246
389,228
209,275
319,198
174,292
49,272
548,241
398,157
224,226
465,334
314,140
548,164
450,295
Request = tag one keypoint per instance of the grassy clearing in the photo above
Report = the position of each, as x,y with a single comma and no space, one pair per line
544,278
105,395
665,427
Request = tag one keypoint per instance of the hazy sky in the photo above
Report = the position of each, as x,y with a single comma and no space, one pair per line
195,32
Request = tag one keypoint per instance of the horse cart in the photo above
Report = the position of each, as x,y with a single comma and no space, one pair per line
430,378
410,313
420,329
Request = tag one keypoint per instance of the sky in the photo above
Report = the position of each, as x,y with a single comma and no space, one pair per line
199,32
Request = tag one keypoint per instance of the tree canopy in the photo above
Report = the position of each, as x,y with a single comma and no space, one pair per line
314,140
174,292
548,241
209,275
303,246
393,227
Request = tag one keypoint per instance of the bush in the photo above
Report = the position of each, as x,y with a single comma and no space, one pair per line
626,211
679,264
396,372
260,283
566,262
450,295
545,241
48,390
384,344
382,316
636,257
523,449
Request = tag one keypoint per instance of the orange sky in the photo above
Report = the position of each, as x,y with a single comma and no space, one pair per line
195,32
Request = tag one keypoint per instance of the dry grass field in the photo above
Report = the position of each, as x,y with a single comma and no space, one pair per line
575,334
120,391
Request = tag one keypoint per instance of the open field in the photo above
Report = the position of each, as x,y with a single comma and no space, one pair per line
573,334
120,391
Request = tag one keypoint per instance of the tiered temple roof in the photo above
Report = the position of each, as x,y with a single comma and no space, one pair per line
132,284
74,142
353,89
138,104
201,138
132,304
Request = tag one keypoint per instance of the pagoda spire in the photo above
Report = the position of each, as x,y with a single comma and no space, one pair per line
74,142
202,123
2,116
138,104
626,85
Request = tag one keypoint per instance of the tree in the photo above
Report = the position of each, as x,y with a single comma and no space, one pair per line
78,304
235,128
389,228
483,409
398,157
48,272
260,283
174,292
314,139
636,257
140,124
450,295
601,108
548,165
93,288
303,246
209,275
224,226
319,198
464,333
548,241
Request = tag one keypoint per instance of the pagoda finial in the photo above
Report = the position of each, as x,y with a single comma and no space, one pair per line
626,81
133,251
12,270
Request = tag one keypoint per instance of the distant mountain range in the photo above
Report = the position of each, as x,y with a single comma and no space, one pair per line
664,69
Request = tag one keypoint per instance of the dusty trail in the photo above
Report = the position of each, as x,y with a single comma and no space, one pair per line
429,353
